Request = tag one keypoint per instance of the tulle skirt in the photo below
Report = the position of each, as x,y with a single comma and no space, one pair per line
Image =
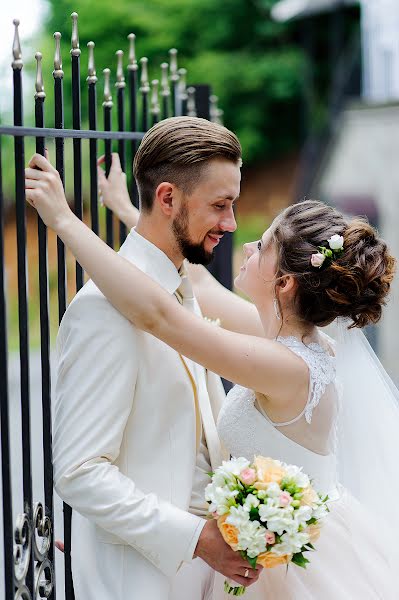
351,561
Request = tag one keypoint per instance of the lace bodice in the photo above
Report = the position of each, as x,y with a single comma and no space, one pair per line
308,439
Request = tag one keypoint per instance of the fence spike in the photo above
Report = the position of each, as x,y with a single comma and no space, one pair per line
132,66
191,105
182,83
16,48
58,72
75,51
107,89
174,76
91,68
120,79
39,85
165,89
155,108
144,83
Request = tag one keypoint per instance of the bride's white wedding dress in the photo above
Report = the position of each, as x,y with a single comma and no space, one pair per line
351,560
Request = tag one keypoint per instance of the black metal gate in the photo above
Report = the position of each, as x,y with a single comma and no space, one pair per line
28,540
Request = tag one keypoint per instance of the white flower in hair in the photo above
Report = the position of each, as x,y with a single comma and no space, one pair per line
336,242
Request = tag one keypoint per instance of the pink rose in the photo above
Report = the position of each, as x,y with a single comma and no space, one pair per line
285,499
317,259
270,537
248,476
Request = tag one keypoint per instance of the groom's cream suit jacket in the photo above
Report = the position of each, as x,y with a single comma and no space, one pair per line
125,444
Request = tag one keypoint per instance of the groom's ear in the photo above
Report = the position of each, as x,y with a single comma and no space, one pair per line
165,197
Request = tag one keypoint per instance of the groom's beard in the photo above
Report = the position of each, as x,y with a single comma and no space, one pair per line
195,253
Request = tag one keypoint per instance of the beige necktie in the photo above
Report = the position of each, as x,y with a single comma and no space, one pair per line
185,295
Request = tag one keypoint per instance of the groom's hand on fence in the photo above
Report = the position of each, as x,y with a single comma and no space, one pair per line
212,548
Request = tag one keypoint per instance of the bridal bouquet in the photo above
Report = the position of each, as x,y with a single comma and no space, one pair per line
266,510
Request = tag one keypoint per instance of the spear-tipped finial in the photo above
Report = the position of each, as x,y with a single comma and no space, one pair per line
16,48
75,51
91,67
107,89
191,105
182,83
120,79
155,108
165,89
39,85
58,72
174,76
132,66
145,84
213,109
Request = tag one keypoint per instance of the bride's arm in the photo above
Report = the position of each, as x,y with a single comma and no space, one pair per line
263,365
217,302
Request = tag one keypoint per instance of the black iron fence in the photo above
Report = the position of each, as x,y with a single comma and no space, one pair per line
28,539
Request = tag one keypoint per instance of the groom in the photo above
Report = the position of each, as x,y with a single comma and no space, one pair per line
134,426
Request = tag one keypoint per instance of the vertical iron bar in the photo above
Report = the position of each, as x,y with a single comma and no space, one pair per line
19,156
58,75
145,90
155,108
132,80
182,90
165,90
174,79
92,80
120,85
77,143
4,420
45,330
107,106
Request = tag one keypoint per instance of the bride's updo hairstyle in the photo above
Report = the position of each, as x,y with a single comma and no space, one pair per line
354,284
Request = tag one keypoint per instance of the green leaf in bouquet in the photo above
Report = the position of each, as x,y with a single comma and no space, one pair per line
254,514
308,547
299,560
311,521
252,561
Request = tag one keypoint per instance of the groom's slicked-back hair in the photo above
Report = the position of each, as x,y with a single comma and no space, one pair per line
177,150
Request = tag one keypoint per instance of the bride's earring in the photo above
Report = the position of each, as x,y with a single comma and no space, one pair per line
276,309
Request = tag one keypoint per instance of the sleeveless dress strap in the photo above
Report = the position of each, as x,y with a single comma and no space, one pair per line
321,367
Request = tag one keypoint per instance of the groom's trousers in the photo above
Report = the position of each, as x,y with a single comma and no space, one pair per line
193,581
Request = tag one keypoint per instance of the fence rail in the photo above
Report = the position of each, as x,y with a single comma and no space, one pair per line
28,543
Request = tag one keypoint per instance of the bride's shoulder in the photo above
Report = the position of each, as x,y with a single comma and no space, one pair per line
327,342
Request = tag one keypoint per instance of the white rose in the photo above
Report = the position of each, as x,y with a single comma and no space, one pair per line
269,509
290,543
220,498
282,521
251,537
238,516
234,466
303,514
320,512
251,501
336,242
295,474
273,490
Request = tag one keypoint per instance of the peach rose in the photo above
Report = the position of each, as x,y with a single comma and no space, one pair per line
228,531
270,560
309,496
268,470
314,532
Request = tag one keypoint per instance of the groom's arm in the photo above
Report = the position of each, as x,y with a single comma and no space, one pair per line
98,366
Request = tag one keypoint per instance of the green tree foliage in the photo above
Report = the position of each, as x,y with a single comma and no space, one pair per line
251,62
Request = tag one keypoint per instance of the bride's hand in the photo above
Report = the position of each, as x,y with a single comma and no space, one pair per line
114,192
44,191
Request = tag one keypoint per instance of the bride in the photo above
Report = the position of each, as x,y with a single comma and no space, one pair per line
311,268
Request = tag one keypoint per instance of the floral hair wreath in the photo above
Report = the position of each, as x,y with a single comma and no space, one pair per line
325,256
